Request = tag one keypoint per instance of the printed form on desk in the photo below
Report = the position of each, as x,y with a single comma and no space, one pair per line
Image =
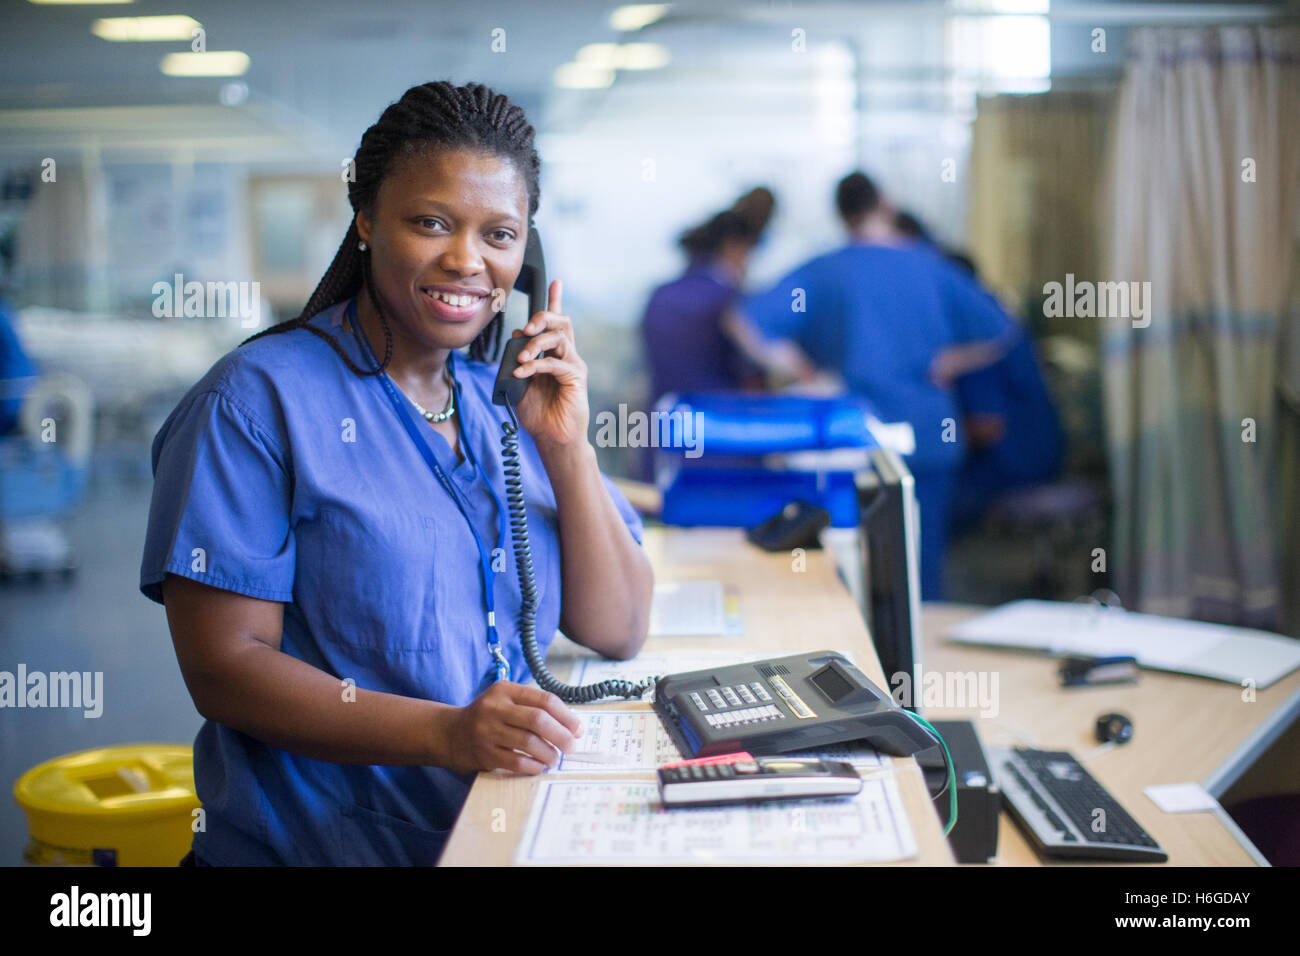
622,821
615,741
694,609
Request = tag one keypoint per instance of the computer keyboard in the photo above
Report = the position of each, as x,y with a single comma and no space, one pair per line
1065,812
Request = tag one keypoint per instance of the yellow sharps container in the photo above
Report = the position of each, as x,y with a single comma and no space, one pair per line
130,805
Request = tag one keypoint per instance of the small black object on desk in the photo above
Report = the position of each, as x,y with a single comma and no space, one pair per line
974,838
797,525
1090,671
1114,727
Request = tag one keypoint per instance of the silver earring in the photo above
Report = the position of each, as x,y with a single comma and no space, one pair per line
362,245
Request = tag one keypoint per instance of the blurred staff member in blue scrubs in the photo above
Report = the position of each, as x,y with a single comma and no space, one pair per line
898,324
1013,431
908,227
686,345
326,586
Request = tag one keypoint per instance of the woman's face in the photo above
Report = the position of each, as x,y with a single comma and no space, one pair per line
453,222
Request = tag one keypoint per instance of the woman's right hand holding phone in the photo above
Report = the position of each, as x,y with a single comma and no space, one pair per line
512,727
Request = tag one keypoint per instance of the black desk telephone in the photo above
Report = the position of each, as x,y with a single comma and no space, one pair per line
802,702
509,391
784,704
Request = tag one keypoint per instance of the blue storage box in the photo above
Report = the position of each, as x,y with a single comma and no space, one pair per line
730,424
702,434
743,497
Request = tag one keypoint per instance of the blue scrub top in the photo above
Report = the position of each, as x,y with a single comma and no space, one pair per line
285,476
686,347
878,315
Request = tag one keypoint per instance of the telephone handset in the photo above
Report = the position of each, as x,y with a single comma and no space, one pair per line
509,391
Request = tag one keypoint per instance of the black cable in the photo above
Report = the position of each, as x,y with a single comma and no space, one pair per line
569,693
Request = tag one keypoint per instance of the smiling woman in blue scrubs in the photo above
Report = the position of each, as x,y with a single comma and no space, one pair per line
322,586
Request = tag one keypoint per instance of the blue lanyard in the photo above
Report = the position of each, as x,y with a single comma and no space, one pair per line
502,666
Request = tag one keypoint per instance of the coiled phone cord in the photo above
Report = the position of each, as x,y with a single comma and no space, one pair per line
569,693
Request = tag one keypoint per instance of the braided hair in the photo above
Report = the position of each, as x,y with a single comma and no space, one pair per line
430,116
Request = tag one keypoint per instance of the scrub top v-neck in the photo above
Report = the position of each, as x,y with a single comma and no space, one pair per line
283,475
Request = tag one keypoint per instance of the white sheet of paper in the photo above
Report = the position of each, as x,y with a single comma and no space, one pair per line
1181,797
1174,644
619,740
583,821
1063,627
689,609
615,741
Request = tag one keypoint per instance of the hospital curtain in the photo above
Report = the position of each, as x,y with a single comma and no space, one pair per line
1202,190
1034,172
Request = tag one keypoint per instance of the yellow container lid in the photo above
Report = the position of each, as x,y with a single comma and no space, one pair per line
125,780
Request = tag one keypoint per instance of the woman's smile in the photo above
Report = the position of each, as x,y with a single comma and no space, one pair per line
452,306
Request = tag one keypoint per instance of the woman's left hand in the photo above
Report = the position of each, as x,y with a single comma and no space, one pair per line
554,410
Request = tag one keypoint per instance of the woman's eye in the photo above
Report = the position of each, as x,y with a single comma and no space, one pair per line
428,223
503,235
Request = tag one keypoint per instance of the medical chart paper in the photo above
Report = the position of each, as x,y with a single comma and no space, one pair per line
615,741
619,740
694,609
622,822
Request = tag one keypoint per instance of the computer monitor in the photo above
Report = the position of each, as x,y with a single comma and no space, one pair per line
889,539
